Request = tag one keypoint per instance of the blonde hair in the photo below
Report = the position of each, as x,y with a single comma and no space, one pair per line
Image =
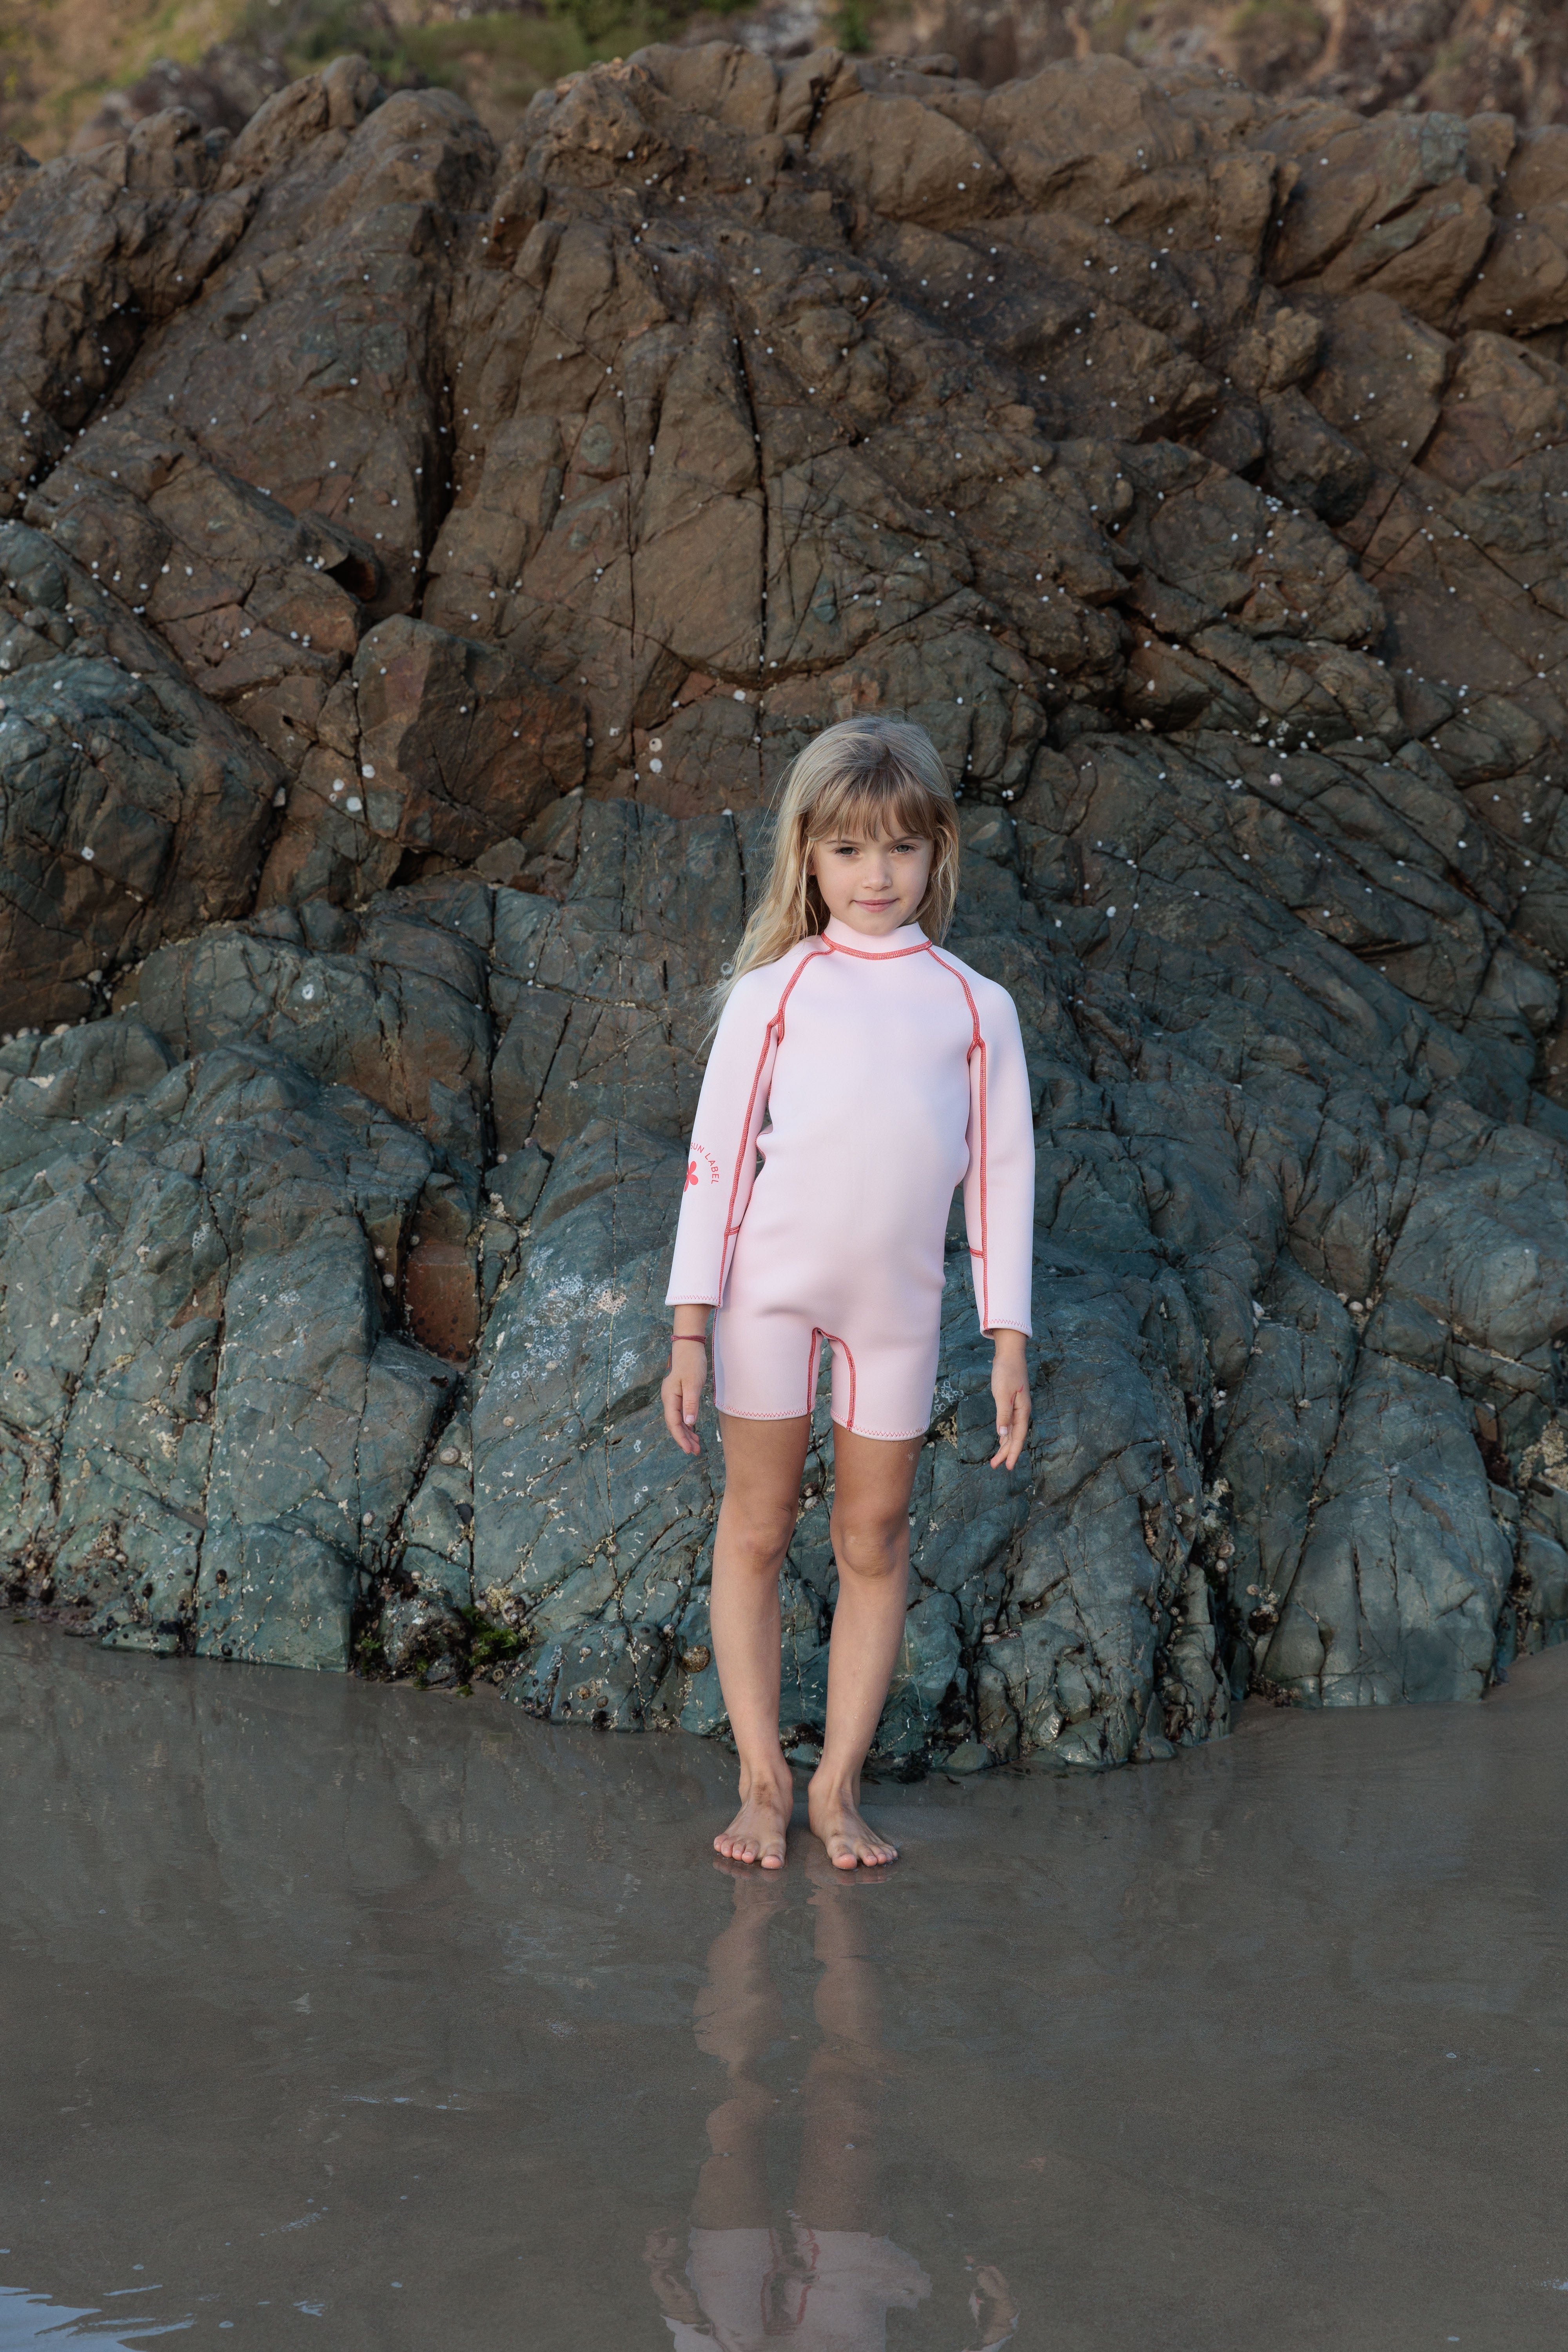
866,776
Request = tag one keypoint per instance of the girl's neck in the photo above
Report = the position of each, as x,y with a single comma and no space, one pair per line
895,942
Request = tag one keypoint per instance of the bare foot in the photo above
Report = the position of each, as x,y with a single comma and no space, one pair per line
849,1841
757,1832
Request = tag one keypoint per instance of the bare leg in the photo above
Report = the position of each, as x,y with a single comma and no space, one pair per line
762,1463
872,1477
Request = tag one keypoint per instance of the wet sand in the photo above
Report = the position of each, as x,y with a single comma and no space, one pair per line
355,2017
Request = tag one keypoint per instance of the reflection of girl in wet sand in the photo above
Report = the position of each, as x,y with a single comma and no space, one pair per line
826,2282
873,1073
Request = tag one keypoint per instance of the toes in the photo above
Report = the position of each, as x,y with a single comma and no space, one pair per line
749,1846
855,1848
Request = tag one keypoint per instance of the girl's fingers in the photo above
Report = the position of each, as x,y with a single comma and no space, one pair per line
680,1398
1012,1428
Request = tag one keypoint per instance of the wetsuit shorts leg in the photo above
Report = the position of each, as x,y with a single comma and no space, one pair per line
822,2289
765,1361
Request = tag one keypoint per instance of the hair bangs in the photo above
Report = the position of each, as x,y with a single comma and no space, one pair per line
882,800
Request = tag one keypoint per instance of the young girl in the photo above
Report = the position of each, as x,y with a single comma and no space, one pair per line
887,1073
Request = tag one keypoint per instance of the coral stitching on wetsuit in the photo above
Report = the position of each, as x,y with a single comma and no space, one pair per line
977,1045
812,1360
775,1020
834,1340
734,1413
984,1196
777,2319
818,946
869,955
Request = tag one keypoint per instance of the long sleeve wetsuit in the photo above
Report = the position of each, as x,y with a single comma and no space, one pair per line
872,1077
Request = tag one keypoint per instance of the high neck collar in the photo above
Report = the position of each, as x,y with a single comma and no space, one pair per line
891,944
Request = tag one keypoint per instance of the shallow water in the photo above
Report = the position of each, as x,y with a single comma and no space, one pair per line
349,2016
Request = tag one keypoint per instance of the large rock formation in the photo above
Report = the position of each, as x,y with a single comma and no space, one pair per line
422,563
1458,56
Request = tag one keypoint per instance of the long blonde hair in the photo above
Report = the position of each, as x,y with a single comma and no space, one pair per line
866,776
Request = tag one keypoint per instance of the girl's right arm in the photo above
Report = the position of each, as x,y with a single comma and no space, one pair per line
723,1159
720,1169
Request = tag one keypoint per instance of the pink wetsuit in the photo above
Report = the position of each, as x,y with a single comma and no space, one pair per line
888,1073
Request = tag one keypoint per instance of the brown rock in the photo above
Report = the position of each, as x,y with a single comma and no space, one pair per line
434,748
1523,285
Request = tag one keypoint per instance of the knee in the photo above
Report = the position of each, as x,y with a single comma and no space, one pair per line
756,1540
867,1544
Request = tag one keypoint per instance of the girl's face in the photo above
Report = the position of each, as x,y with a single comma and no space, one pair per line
872,886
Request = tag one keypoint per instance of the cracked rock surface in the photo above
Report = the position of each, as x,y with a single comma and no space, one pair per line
419,565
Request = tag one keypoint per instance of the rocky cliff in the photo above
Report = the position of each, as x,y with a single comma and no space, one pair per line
422,562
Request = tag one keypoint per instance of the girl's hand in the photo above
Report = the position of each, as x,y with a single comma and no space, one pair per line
1010,1387
682,1387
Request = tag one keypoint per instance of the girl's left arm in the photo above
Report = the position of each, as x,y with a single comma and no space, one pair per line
999,1210
999,1189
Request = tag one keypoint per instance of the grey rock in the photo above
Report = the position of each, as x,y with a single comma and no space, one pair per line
276,1595
1404,1572
1542,1590
208,1422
